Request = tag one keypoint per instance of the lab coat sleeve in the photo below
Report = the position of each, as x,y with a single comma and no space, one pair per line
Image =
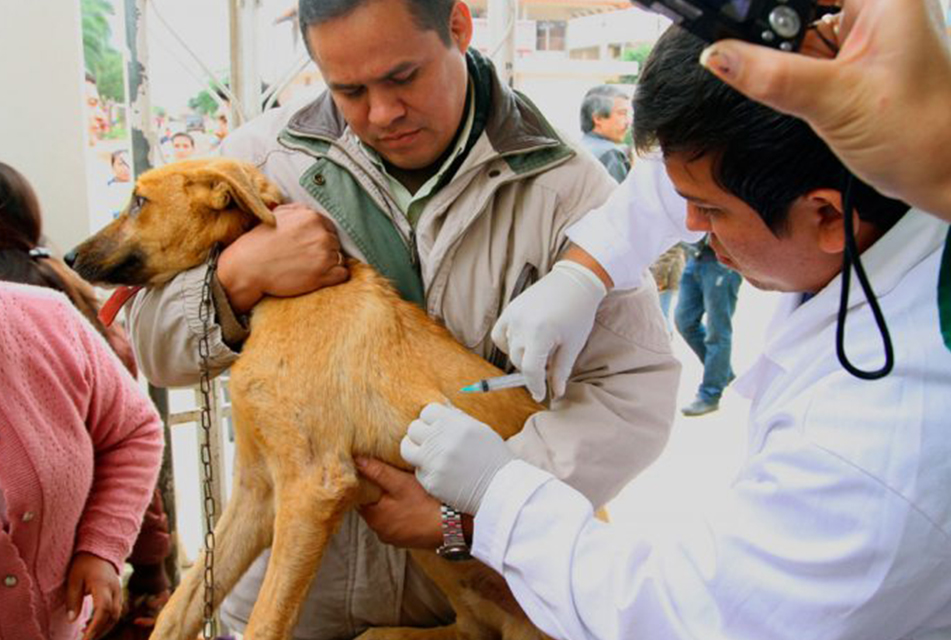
641,220
815,555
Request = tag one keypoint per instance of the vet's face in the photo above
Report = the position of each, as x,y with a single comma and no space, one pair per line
401,89
800,259
169,225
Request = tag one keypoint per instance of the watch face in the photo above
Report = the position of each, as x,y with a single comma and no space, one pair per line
454,553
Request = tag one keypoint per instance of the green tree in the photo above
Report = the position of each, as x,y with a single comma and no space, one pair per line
638,54
203,103
102,59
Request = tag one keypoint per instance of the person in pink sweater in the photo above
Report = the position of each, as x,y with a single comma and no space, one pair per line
80,449
24,259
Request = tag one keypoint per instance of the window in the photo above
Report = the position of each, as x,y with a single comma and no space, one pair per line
550,35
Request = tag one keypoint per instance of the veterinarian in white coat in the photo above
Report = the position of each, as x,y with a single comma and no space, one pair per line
838,524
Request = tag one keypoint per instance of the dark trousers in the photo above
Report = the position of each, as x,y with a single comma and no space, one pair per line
707,288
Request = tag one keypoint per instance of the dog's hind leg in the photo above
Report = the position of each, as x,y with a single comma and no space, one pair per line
243,531
309,505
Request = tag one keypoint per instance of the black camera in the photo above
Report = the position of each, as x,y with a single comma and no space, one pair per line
775,23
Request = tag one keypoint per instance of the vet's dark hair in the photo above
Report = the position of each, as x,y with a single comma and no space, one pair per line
21,231
598,102
765,158
430,15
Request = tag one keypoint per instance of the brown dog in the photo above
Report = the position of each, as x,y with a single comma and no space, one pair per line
305,403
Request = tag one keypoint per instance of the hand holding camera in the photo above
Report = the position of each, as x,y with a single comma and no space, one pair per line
879,97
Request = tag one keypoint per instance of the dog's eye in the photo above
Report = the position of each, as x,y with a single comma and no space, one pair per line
135,207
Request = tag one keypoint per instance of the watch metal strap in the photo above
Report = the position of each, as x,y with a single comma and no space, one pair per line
454,547
452,533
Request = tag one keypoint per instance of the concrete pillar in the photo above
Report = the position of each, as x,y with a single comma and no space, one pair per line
502,16
42,117
245,76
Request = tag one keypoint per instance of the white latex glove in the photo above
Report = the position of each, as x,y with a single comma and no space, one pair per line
455,455
549,324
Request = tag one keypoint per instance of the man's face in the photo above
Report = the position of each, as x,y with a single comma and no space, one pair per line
182,147
795,261
401,89
120,169
615,126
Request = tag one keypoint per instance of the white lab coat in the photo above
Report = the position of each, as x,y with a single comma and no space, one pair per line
641,220
837,527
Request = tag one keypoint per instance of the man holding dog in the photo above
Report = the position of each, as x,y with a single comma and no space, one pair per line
838,524
419,161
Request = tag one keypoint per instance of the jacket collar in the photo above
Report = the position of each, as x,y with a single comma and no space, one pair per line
914,238
512,123
801,336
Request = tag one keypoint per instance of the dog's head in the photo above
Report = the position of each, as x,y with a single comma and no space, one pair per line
176,215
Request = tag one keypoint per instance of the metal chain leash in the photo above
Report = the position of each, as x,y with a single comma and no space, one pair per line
205,313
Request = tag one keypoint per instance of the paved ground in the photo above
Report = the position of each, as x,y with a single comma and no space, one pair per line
704,452
702,455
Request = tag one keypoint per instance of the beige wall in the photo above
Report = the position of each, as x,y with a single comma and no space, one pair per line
41,109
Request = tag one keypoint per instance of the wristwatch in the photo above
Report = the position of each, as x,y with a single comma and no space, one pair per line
454,547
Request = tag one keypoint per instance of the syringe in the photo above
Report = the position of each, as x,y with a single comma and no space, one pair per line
494,384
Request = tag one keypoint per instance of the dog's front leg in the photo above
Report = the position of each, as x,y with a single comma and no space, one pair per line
309,508
241,534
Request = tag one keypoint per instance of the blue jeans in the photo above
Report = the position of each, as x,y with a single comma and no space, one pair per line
708,288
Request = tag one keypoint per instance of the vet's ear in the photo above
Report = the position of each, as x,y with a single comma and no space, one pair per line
243,184
827,207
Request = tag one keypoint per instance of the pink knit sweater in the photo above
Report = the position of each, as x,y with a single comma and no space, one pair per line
80,449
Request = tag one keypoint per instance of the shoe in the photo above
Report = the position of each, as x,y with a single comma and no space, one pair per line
700,407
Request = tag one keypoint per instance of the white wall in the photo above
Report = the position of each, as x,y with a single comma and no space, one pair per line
615,27
41,114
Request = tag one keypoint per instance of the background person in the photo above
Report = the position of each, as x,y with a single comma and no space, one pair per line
119,186
458,190
704,317
81,445
839,515
605,120
24,260
183,146
82,448
667,271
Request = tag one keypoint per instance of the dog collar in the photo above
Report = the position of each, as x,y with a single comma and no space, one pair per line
116,301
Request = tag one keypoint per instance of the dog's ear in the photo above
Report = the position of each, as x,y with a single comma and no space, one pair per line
243,184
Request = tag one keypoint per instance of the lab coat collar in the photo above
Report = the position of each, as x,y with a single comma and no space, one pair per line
916,236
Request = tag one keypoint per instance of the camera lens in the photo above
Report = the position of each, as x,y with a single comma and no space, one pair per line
785,22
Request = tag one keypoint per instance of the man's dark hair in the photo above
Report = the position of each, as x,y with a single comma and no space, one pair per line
598,102
765,158
429,15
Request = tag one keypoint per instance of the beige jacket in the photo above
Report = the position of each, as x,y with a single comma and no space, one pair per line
506,207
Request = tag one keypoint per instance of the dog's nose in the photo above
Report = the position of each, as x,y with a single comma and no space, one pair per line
70,258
